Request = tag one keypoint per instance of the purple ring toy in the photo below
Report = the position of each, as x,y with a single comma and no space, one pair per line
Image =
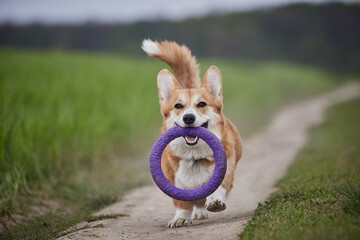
188,194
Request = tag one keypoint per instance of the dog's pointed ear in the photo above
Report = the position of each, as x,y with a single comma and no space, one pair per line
212,81
166,83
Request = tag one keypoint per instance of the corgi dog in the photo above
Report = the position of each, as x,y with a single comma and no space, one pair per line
188,162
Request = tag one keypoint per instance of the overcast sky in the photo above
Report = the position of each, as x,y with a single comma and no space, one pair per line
80,11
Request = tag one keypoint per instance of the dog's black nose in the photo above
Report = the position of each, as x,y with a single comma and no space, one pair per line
189,119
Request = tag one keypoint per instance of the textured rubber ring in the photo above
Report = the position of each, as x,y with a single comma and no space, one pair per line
188,194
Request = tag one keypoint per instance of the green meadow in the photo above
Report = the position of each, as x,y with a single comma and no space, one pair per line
76,128
319,198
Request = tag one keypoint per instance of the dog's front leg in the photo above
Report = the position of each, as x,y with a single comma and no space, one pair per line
216,201
182,215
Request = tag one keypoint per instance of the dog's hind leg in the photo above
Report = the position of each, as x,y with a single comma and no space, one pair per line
199,210
183,213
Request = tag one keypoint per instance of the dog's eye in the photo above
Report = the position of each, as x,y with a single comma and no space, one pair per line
178,106
201,104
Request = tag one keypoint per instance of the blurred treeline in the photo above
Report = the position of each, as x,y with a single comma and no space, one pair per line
326,35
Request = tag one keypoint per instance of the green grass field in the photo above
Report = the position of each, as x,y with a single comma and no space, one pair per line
76,128
319,198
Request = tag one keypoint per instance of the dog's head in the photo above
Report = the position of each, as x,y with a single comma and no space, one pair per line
191,108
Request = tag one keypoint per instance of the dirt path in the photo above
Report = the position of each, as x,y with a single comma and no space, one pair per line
267,156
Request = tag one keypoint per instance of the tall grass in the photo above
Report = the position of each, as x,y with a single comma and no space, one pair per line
63,112
81,119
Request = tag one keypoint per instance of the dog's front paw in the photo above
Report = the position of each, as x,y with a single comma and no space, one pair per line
215,205
199,213
179,222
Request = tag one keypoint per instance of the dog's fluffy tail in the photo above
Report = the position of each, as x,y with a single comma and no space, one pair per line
179,58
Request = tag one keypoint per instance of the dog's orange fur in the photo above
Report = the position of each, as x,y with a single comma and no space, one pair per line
187,84
233,148
182,63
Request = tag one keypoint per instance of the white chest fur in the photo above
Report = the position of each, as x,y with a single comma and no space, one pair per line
193,174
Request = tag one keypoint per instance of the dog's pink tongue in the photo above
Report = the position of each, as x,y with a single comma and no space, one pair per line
190,138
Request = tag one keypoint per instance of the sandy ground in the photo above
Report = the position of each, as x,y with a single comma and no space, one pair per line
267,155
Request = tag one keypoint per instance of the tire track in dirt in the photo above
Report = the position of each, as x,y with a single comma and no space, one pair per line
267,155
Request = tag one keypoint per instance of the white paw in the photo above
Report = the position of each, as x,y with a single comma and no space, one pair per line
216,201
215,205
179,222
181,219
199,213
